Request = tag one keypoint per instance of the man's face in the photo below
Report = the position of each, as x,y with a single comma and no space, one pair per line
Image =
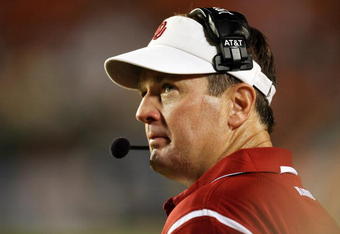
186,127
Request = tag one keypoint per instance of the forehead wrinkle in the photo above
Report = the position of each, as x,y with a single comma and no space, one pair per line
155,77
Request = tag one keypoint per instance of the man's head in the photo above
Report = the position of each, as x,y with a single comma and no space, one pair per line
193,115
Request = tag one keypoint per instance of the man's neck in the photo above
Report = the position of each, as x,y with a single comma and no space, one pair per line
252,136
247,137
252,140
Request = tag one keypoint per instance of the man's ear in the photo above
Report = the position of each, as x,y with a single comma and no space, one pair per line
242,98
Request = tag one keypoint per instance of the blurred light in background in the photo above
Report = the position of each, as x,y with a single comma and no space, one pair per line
59,112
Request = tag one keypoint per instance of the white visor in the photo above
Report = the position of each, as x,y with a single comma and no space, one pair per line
179,46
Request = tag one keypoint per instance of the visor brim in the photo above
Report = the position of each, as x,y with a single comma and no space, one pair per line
124,69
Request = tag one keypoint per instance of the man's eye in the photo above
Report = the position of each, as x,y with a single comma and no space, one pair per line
166,88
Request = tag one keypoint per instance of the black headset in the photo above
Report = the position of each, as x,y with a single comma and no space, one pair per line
229,31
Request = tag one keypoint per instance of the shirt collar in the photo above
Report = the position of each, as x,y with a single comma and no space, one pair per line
266,159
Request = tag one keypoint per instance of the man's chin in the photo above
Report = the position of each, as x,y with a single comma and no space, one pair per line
160,162
165,164
156,159
159,151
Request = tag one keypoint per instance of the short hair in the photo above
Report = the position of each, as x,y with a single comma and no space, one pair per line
260,51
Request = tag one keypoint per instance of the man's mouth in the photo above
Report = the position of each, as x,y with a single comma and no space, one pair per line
158,140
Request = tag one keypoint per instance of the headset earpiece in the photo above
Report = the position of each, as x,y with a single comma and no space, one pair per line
229,31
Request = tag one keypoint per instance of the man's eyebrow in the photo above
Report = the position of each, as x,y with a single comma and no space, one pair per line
157,78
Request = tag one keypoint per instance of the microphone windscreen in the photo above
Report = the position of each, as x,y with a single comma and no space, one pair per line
120,147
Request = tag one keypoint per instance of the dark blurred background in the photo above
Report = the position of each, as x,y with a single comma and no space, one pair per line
59,111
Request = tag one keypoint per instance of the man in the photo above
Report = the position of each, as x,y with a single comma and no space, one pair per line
207,80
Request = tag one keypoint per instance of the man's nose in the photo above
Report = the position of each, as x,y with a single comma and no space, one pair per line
147,111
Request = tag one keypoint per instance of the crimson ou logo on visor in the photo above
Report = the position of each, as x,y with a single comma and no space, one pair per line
160,30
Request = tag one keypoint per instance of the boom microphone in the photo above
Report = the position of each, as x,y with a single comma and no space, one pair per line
121,146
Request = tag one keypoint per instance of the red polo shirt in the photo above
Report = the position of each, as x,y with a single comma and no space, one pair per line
251,191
